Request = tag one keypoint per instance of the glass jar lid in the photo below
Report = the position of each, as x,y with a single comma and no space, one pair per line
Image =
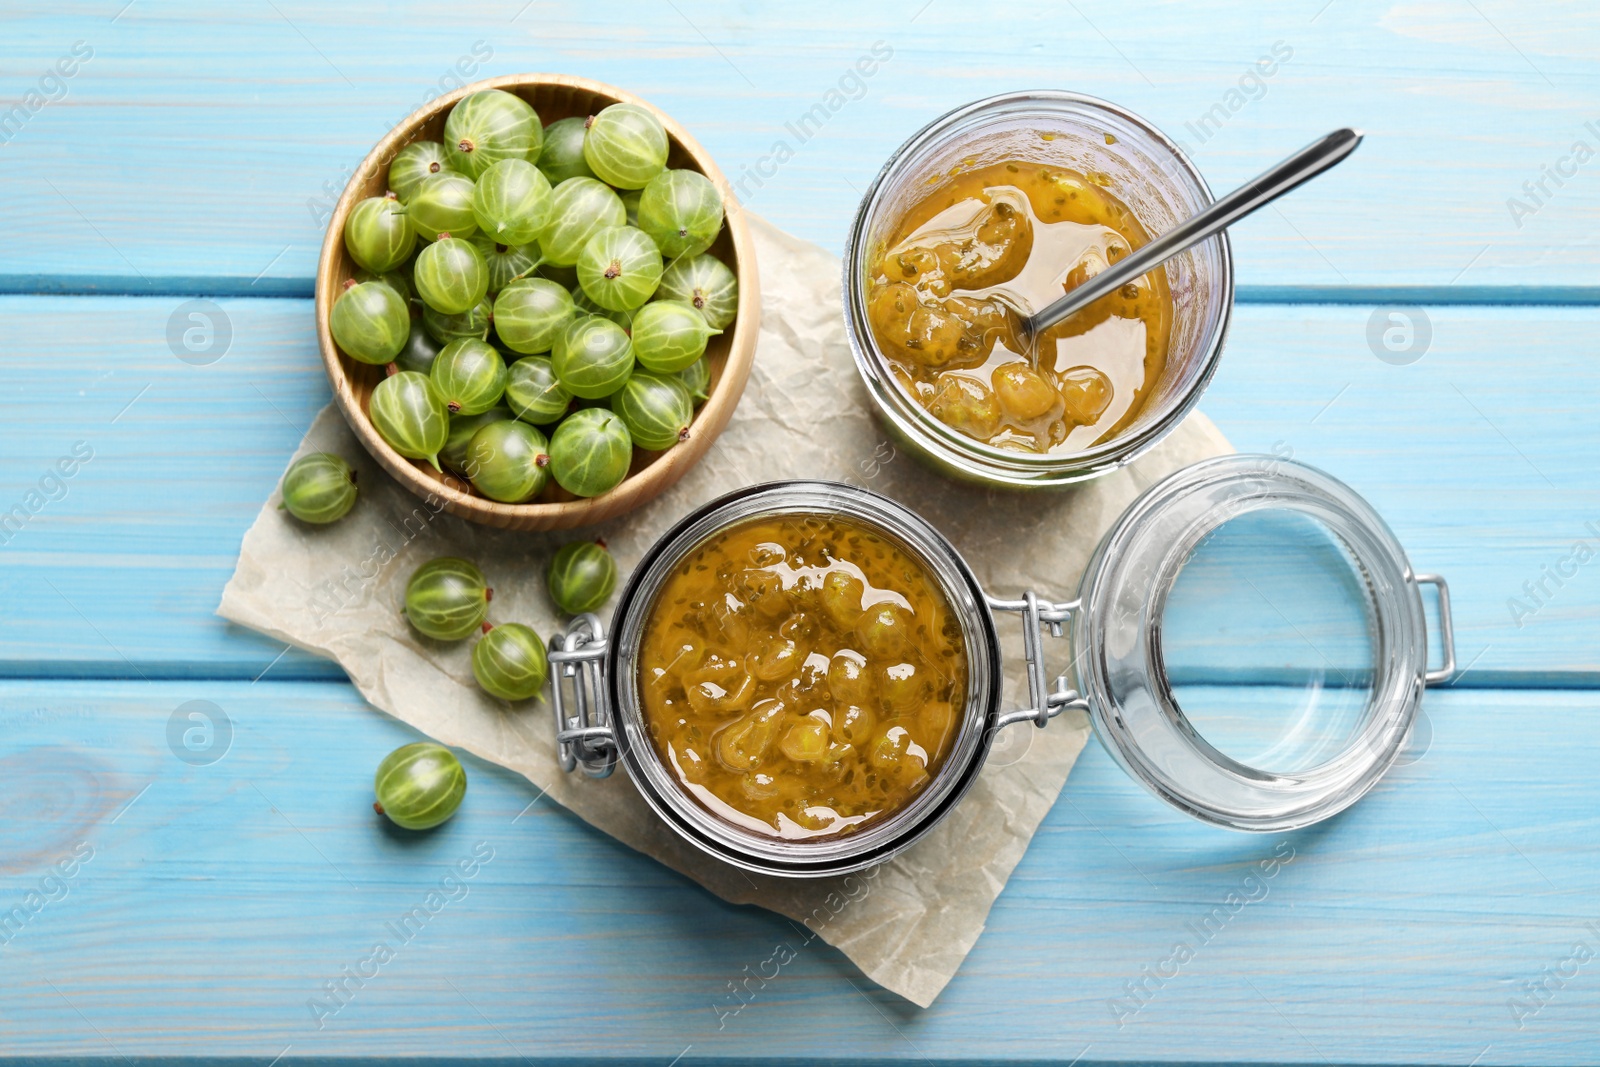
1252,644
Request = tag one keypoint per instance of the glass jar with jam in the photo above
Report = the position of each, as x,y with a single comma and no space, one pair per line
803,678
984,217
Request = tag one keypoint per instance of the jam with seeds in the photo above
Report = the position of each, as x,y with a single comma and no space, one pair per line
986,245
802,676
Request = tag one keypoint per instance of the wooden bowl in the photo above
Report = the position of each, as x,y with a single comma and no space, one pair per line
553,96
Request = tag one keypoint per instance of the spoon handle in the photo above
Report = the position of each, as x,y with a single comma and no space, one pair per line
1299,168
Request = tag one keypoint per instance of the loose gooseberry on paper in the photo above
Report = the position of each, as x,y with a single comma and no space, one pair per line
706,284
370,321
620,268
469,376
682,211
592,358
625,145
534,393
512,202
581,576
451,275
443,204
579,209
410,416
590,451
507,461
413,164
656,409
562,155
530,314
319,488
669,335
509,662
447,599
419,786
378,234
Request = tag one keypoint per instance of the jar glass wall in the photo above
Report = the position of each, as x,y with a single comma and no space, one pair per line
1142,168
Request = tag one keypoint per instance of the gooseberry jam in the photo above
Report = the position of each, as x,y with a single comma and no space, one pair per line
986,245
801,676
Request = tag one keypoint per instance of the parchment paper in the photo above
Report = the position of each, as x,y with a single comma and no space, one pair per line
908,923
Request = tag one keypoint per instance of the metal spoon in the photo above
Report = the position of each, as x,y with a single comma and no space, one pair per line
1299,168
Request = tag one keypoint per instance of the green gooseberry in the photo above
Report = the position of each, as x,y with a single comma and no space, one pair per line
590,452
534,393
419,351
630,204
506,263
410,415
581,576
625,145
620,268
656,409
447,598
585,306
489,126
370,321
530,314
566,277
469,376
451,275
419,786
474,322
415,163
579,209
562,155
443,204
509,662
319,488
506,461
706,283
696,378
512,202
592,358
378,234
395,279
682,211
462,427
669,335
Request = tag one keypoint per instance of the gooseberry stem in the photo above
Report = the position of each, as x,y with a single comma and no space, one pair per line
535,265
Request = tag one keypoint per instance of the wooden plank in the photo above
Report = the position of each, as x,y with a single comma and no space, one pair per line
1475,455
220,898
191,152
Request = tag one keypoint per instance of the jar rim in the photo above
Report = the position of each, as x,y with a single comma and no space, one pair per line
1122,674
837,854
965,455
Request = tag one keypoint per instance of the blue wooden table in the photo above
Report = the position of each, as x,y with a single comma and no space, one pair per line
159,151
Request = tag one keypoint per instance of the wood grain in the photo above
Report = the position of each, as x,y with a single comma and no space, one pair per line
221,898
187,150
1454,451
197,155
